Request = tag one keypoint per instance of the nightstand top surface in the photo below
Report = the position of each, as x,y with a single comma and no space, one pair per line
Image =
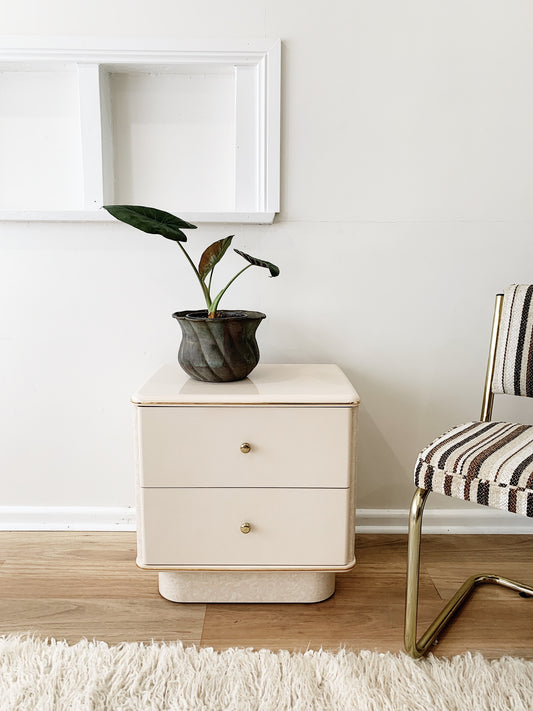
290,384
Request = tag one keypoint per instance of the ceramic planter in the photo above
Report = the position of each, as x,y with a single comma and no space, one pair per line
218,349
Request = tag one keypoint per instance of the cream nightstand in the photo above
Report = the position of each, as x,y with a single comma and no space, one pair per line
245,490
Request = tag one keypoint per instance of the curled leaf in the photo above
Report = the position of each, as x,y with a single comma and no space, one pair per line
272,268
212,255
151,220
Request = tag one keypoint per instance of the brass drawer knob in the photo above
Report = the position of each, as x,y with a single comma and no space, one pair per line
245,448
246,527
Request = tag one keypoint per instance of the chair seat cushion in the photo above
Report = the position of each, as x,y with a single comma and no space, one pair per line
490,463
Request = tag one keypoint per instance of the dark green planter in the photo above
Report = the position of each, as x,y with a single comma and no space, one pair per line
218,349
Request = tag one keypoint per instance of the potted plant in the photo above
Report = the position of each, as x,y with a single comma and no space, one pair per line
216,345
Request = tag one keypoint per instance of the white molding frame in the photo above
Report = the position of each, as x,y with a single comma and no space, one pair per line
257,77
67,518
106,518
478,521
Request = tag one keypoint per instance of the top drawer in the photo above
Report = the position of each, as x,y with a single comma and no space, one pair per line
201,446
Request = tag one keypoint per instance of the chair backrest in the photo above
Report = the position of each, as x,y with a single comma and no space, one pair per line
513,368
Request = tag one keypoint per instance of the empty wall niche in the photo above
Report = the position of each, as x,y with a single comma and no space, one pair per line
40,165
192,127
174,138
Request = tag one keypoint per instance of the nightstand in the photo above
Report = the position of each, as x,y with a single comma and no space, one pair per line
246,490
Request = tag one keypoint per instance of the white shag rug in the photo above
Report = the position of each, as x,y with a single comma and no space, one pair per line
45,675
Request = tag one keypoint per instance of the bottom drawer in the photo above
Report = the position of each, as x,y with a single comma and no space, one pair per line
202,527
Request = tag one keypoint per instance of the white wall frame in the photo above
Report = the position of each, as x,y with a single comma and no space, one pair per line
256,66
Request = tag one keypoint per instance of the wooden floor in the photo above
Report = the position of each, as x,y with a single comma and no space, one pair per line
71,585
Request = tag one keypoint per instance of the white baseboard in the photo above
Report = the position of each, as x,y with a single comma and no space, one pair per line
482,520
67,518
108,518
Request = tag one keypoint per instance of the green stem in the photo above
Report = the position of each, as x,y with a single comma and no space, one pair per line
205,290
214,304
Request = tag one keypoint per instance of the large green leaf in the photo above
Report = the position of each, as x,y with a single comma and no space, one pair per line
149,219
273,269
212,255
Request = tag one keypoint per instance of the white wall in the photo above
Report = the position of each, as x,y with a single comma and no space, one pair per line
407,148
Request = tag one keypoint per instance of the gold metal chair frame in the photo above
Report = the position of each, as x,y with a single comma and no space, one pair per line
419,648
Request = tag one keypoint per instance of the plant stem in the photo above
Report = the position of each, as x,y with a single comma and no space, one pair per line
205,290
214,303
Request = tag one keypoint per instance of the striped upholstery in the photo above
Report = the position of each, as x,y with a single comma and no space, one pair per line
513,373
490,463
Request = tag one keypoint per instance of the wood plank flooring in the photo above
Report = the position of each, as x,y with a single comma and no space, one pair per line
70,585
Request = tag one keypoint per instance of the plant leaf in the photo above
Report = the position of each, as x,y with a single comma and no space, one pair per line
273,269
213,254
151,220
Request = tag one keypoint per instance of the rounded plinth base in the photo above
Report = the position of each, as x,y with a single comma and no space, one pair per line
246,586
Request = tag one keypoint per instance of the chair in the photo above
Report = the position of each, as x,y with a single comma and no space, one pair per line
490,463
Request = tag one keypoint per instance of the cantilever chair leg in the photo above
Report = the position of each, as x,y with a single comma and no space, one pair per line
418,648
